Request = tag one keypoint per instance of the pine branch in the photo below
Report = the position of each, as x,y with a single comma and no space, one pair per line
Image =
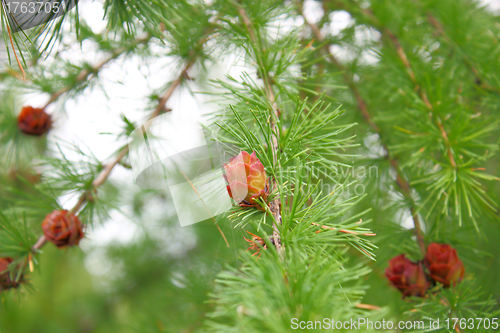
401,180
347,79
104,174
422,93
406,63
168,93
463,185
275,204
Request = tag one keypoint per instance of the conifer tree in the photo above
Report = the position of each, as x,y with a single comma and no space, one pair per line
360,153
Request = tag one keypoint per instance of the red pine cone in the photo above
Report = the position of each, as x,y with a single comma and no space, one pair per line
407,276
5,280
34,121
443,264
62,228
247,179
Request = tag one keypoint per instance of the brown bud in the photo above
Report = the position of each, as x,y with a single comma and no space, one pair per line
5,281
62,228
34,121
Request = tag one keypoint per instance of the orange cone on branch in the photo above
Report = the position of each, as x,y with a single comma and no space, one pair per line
62,228
34,121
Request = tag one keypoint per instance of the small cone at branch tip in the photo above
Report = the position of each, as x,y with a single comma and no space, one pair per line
443,264
408,277
34,121
6,282
247,180
62,228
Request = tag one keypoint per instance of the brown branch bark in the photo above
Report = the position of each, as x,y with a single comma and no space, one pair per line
275,204
362,106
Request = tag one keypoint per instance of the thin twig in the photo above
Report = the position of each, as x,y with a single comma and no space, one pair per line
373,20
40,242
99,180
14,50
362,106
422,93
206,207
161,106
357,95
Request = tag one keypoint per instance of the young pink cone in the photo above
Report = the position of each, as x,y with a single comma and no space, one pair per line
247,180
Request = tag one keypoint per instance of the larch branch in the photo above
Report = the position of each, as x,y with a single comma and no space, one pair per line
104,174
422,93
436,120
468,62
275,204
362,106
